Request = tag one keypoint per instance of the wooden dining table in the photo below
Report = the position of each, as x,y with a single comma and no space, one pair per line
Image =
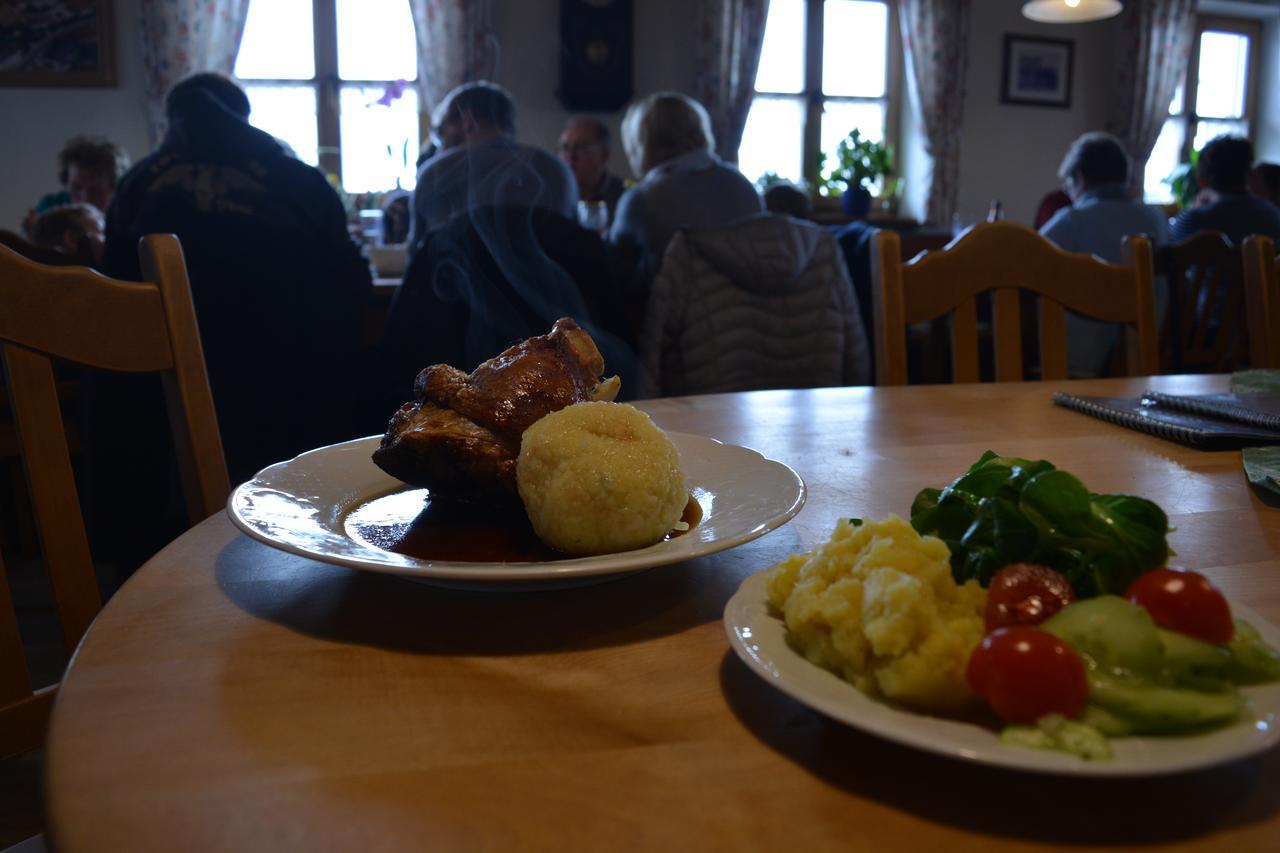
235,697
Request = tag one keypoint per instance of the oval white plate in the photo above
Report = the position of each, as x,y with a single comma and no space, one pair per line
300,506
760,640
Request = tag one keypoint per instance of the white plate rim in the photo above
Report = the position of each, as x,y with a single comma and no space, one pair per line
331,505
758,639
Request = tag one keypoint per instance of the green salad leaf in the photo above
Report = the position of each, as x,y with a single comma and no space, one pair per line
1010,510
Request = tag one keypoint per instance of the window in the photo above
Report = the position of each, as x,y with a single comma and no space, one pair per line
332,78
825,69
1216,97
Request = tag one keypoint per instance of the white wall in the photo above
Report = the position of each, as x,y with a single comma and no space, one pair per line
37,121
1011,152
1268,135
529,32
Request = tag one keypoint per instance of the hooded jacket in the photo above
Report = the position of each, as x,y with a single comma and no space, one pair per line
763,303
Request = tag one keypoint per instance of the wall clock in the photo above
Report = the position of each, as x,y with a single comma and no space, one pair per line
595,54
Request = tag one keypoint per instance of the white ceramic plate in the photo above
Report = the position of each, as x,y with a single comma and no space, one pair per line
760,640
301,506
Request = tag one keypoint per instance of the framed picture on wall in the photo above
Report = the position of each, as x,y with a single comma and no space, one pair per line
1037,71
57,43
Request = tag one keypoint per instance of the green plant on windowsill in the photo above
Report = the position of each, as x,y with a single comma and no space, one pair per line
1184,180
859,163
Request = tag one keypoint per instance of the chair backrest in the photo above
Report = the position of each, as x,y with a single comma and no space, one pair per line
1205,328
1262,297
1005,257
923,241
75,314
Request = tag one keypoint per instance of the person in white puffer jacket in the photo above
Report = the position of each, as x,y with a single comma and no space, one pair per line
765,302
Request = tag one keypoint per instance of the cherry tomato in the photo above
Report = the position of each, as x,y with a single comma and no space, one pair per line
1026,594
1185,602
1025,673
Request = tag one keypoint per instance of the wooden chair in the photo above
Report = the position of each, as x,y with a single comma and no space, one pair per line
75,314
1205,329
1262,297
1004,257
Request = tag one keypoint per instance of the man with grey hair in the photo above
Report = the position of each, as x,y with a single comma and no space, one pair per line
479,163
584,148
1095,174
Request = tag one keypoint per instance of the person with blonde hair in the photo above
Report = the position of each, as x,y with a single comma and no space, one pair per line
683,184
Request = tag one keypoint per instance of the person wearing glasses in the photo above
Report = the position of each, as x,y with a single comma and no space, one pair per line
585,148
479,164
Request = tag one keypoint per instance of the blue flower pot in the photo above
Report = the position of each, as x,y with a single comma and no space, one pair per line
855,202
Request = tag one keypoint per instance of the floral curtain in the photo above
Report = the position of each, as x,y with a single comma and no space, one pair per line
456,44
1157,41
730,34
183,37
935,40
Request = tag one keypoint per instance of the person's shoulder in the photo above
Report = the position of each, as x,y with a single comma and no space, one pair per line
1059,225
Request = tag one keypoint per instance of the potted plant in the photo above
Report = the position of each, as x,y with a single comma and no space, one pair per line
859,162
1185,181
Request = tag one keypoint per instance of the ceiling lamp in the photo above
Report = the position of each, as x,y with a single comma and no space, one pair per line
1070,11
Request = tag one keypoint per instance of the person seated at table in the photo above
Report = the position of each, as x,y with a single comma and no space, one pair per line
89,167
1224,168
787,199
683,184
1264,182
278,285
1095,174
764,302
76,230
480,163
585,148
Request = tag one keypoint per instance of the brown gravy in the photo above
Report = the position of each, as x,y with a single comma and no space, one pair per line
411,523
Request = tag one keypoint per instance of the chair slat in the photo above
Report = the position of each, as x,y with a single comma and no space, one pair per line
1262,298
190,403
1007,334
887,300
53,490
1053,339
964,342
15,680
1144,347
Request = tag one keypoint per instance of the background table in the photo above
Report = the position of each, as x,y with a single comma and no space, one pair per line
233,697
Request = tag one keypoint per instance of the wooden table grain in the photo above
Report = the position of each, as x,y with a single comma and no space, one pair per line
234,697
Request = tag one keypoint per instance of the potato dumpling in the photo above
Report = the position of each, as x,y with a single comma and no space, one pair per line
599,477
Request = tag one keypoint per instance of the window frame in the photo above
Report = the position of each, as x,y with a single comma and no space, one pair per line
1250,29
327,86
814,100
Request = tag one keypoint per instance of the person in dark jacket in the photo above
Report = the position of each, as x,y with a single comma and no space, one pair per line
279,288
1224,166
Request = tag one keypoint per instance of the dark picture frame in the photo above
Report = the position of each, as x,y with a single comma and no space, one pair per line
57,43
1037,71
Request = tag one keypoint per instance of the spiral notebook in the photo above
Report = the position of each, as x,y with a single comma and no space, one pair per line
1203,420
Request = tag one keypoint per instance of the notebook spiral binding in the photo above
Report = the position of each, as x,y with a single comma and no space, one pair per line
1130,420
1215,409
